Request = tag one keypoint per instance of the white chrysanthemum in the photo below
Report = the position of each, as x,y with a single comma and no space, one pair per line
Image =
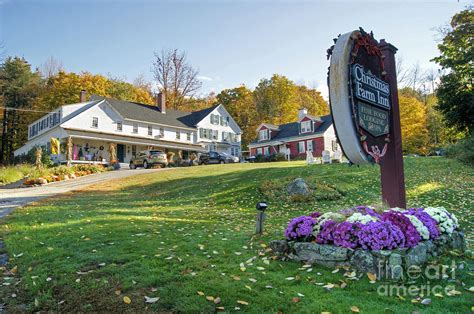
398,209
446,223
325,217
363,219
420,227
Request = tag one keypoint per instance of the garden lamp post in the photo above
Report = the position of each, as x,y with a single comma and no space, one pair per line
261,207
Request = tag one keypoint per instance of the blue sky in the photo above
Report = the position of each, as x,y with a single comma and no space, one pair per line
230,42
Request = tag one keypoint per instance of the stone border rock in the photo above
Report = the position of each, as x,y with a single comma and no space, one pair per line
388,264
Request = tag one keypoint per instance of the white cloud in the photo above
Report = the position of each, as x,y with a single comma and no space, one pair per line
204,78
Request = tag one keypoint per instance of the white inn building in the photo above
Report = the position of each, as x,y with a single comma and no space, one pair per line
133,127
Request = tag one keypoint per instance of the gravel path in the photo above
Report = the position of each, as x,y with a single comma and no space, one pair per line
13,198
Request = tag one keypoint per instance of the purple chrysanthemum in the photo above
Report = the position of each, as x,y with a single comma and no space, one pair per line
426,219
315,215
345,234
412,236
325,235
300,228
380,235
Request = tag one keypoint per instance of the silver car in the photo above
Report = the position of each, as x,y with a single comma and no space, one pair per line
149,158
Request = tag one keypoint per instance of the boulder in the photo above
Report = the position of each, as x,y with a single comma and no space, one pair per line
416,255
395,268
364,261
457,241
41,181
322,254
3,259
280,247
298,187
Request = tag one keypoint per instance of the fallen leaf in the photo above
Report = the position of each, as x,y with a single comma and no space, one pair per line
210,298
242,302
200,293
372,276
355,309
117,292
151,300
290,278
217,300
127,300
295,300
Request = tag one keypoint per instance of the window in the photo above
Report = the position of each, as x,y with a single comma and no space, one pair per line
266,151
263,135
188,136
95,122
334,145
162,132
259,151
178,135
306,126
135,128
134,150
214,119
309,144
215,134
301,147
119,126
225,135
150,130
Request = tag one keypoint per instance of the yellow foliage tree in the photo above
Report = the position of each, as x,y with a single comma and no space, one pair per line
413,120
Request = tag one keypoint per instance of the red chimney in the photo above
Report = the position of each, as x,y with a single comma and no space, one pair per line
82,96
161,102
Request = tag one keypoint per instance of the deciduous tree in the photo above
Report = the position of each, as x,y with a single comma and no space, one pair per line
455,91
176,78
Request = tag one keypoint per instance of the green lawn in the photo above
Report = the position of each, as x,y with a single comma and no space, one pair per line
189,231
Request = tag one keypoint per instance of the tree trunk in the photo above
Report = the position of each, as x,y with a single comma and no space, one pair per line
4,137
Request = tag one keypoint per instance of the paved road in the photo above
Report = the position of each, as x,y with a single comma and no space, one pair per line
13,198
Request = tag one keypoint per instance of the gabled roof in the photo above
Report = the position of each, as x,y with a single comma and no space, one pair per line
268,126
195,117
147,113
318,119
290,130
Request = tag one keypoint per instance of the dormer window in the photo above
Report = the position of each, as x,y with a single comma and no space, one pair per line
263,135
306,126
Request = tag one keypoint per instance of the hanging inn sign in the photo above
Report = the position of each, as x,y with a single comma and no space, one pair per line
364,106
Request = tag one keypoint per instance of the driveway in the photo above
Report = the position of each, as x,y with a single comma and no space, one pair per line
13,198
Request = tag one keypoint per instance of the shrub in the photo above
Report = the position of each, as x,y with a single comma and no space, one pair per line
277,157
259,158
463,150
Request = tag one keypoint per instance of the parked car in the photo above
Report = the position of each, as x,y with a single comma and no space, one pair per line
216,158
149,158
230,158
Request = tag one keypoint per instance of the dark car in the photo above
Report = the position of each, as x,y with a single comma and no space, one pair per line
215,158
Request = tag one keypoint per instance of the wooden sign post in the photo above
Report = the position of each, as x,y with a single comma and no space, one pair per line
364,105
391,168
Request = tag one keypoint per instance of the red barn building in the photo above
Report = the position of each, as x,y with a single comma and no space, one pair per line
309,133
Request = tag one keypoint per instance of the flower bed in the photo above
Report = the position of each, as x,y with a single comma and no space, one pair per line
59,173
368,240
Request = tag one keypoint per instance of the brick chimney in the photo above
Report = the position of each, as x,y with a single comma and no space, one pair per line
161,102
82,96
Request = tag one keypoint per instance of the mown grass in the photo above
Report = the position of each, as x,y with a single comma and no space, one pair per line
181,233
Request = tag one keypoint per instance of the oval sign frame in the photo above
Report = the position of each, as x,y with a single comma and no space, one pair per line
360,103
339,99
